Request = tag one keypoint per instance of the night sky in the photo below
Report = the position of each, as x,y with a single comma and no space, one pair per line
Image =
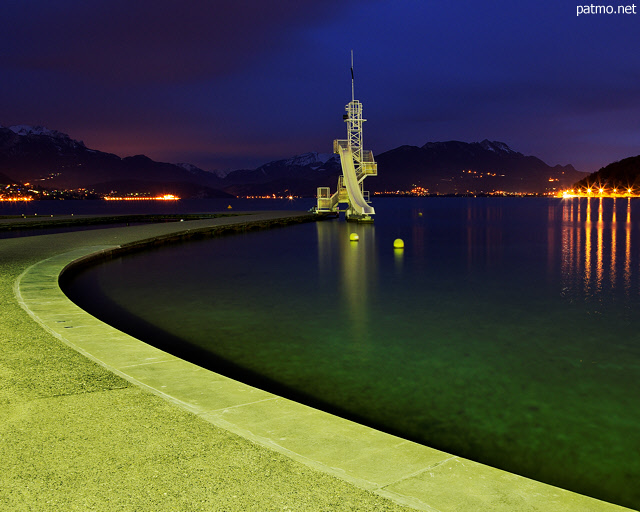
231,84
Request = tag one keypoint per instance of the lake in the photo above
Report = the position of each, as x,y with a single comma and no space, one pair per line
506,331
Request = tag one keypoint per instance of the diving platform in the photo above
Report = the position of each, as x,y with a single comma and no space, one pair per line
357,163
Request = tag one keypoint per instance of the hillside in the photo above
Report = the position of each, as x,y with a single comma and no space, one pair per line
299,175
455,167
623,175
6,180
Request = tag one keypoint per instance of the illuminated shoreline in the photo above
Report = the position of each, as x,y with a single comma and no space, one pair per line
598,192
166,197
15,199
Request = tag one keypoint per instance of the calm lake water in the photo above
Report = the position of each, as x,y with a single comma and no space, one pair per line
54,209
507,330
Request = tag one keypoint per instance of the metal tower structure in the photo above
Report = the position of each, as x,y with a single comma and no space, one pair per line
357,163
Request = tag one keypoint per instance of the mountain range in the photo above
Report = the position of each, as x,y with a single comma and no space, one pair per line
51,159
456,167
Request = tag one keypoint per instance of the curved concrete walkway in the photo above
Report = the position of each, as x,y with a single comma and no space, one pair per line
116,442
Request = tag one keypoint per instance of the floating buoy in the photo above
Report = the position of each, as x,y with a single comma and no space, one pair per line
398,243
229,207
419,214
354,237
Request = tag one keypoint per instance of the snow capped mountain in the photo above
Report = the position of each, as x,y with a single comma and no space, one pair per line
455,167
201,172
52,160
497,146
493,146
189,167
311,159
23,129
221,173
26,130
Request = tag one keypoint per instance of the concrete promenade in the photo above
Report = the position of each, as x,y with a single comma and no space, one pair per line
92,419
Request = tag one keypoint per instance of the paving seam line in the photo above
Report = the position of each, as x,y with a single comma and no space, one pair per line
82,351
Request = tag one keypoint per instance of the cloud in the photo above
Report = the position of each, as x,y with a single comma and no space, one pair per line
150,41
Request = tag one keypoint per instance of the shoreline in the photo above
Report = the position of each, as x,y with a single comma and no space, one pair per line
380,466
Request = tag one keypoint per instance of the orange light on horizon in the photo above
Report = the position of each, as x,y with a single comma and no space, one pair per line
166,197
602,192
15,199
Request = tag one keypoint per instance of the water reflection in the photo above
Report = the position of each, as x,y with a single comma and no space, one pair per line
485,233
627,251
551,234
614,229
357,263
590,247
398,257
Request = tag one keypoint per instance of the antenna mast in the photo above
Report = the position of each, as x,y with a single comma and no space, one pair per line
353,97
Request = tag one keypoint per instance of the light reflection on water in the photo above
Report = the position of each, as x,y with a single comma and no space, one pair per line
597,250
505,331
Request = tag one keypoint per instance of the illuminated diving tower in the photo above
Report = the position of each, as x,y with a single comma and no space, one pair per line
357,163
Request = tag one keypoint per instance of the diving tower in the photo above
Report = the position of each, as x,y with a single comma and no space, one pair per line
357,163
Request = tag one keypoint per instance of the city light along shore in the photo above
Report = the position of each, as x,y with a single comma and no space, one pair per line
599,192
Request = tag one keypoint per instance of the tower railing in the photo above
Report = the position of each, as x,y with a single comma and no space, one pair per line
357,163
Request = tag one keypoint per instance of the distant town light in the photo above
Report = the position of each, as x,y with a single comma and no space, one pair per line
15,199
166,197
587,193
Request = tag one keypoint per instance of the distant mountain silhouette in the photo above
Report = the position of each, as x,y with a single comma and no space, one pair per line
441,167
51,159
5,180
300,175
623,174
455,167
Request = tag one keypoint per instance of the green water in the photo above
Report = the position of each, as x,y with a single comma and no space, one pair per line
505,332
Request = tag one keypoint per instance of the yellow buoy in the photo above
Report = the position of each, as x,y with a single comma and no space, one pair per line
398,243
229,207
354,237
419,214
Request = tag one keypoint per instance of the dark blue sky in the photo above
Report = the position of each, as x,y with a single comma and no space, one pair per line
229,84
